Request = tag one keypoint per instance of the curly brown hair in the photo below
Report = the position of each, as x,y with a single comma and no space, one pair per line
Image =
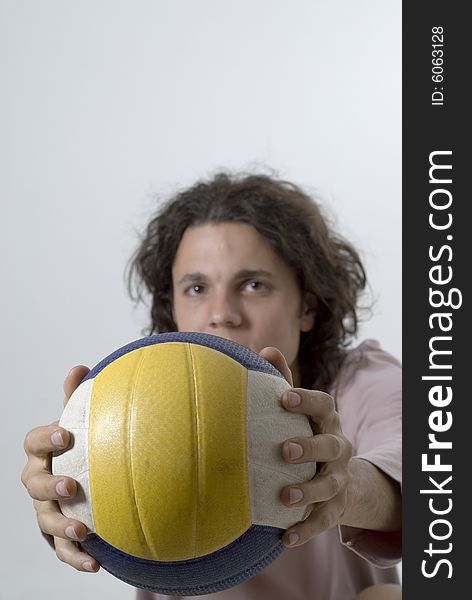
328,269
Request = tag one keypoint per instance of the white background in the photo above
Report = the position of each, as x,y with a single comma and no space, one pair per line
105,104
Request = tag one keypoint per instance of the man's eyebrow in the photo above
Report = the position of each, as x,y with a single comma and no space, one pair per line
252,274
242,274
192,278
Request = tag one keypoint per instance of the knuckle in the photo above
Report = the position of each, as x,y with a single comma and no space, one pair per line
328,402
336,445
28,442
25,476
67,551
334,485
341,508
41,521
60,552
347,450
29,485
344,448
35,436
323,521
335,421
33,487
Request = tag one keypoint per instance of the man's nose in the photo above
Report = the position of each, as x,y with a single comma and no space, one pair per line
224,311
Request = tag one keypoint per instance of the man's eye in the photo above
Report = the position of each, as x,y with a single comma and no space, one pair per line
255,286
196,290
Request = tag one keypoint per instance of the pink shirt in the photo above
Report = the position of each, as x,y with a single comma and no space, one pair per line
342,561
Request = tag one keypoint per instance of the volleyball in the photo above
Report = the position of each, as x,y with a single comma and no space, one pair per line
177,454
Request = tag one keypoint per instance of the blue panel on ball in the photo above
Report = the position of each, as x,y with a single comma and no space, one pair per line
243,355
230,566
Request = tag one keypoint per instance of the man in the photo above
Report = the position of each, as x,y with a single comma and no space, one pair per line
253,260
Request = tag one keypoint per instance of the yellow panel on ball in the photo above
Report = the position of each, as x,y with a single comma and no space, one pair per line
225,512
158,515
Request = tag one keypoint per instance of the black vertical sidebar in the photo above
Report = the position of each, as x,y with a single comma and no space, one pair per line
437,268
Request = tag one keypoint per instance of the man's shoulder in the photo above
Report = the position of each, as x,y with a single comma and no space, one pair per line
368,353
366,364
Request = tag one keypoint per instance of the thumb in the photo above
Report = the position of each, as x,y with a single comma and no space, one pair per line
277,360
73,379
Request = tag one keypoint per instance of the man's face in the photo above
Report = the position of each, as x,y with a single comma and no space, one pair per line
228,281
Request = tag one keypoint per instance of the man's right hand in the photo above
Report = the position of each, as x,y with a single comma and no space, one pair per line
46,489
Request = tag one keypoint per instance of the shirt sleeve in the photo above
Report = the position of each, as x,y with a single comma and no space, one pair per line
369,401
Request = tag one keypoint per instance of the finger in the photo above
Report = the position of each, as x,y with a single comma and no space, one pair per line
73,380
323,516
53,522
44,440
319,406
321,488
277,360
41,485
323,447
70,553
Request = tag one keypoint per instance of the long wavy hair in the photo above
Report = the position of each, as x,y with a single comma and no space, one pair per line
328,269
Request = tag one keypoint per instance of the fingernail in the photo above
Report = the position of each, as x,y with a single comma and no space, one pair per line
57,439
295,450
295,496
293,399
61,489
293,538
71,533
88,566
